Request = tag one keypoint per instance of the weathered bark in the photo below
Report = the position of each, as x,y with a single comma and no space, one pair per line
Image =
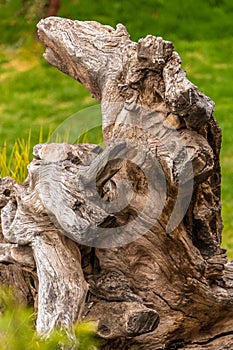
17,268
129,235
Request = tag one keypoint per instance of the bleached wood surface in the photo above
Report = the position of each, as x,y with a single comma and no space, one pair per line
129,235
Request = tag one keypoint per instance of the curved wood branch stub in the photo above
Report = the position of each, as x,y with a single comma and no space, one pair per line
62,288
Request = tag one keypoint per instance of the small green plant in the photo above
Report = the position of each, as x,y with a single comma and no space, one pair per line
15,164
17,330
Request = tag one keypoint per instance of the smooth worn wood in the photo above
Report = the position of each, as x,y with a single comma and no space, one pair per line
129,235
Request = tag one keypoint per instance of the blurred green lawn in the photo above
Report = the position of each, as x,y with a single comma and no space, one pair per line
34,94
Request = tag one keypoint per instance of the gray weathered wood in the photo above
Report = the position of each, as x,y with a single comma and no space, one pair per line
130,235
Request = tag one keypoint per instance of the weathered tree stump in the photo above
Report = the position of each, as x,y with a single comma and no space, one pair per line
130,235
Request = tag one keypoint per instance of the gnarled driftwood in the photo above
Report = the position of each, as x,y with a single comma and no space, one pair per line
128,235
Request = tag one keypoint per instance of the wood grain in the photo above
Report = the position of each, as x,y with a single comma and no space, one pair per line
129,235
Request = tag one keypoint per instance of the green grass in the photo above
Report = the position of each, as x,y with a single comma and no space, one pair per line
15,164
17,330
34,94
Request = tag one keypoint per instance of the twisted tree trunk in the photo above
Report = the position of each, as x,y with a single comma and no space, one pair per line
130,235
